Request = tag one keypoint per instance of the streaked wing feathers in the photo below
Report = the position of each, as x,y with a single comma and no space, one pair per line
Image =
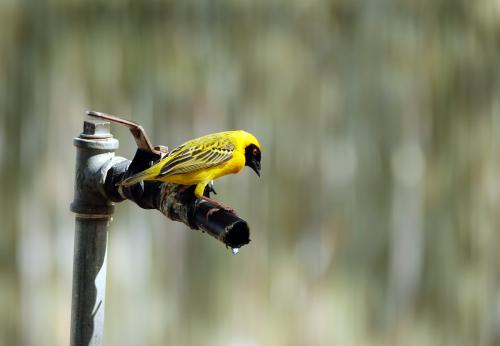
197,155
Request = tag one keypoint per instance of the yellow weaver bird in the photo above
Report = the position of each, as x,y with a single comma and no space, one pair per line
201,160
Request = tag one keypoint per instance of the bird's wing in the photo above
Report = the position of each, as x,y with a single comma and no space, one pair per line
202,153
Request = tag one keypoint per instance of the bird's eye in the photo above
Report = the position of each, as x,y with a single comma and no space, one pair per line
255,151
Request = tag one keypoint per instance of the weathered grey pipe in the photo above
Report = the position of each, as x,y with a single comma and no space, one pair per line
95,150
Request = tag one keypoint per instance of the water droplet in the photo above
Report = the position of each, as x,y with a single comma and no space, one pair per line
235,250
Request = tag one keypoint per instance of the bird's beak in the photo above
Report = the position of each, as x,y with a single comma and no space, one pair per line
255,165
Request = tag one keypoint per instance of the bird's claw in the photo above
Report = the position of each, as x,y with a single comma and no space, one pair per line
209,188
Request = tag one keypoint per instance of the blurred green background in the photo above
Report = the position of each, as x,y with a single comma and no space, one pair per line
375,222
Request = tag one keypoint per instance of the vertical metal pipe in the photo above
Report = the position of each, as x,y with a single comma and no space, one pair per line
89,282
95,152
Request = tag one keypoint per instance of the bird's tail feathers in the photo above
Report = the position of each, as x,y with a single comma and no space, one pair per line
137,178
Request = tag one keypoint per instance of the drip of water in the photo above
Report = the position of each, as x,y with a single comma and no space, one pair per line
235,250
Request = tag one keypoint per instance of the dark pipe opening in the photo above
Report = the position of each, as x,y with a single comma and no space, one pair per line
237,234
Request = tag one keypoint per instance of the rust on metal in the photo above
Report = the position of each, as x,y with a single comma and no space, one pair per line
140,136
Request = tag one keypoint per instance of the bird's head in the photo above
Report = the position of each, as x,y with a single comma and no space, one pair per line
252,157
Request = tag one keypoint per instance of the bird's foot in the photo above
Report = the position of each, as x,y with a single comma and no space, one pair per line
219,206
208,189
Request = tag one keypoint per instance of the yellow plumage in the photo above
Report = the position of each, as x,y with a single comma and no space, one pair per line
201,160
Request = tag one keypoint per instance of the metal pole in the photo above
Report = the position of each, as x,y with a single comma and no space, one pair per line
95,153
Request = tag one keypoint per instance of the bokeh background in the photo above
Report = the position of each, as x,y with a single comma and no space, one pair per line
376,220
